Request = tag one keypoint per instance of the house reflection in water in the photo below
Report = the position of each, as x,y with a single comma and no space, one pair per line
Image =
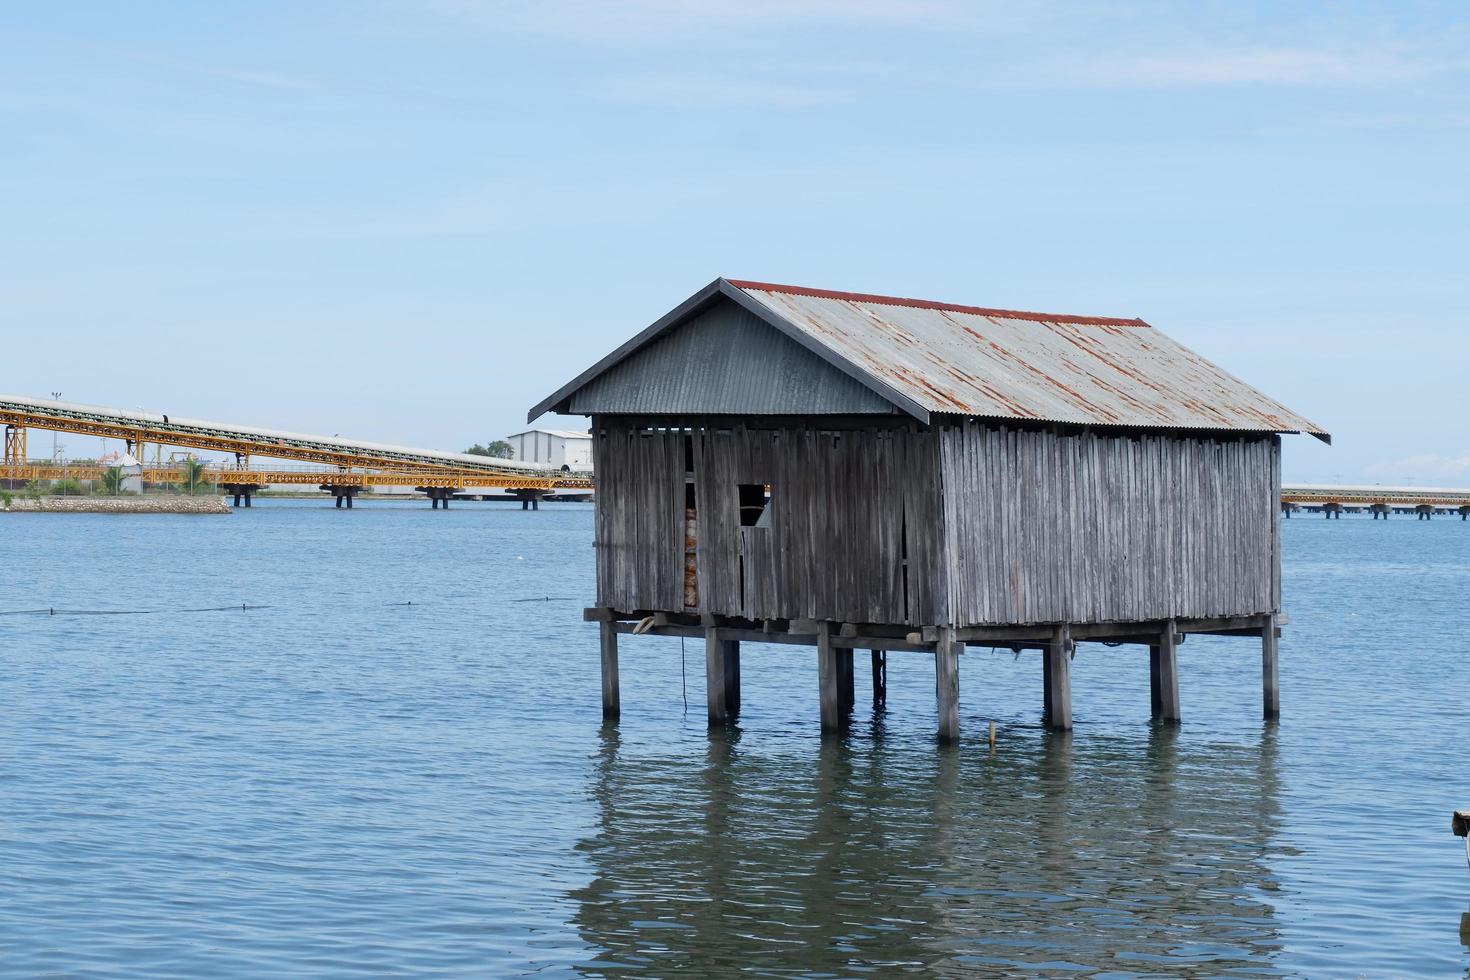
1121,854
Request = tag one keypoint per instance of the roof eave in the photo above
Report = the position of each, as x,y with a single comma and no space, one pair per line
558,401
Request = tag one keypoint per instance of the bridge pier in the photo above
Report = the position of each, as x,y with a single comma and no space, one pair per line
239,491
342,494
530,499
438,496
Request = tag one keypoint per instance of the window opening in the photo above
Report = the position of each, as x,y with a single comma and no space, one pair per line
755,505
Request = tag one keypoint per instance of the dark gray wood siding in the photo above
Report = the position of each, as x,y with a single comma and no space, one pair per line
854,529
1044,527
966,524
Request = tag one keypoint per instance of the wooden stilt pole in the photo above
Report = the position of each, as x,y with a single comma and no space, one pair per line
1169,673
880,679
947,685
1155,690
714,677
1059,680
611,700
845,685
1270,676
730,656
827,680
1045,688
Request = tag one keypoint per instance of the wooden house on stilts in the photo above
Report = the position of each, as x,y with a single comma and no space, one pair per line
855,472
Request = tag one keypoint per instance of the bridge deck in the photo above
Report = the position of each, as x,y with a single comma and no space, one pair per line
1367,496
357,462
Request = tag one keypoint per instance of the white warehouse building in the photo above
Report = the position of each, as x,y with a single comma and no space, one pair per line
559,447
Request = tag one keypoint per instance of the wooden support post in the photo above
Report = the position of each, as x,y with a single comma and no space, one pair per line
1045,689
730,658
845,686
1169,673
714,677
827,679
1058,679
880,678
947,684
1155,688
611,700
1270,675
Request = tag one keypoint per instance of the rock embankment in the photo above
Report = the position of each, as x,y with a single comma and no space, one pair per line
116,505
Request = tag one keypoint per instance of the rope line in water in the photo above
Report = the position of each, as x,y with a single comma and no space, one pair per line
55,611
242,607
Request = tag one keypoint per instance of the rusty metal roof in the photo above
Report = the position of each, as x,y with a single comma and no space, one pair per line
939,358
1052,367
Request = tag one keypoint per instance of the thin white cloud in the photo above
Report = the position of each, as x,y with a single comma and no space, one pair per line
669,18
1273,66
1425,467
678,91
255,77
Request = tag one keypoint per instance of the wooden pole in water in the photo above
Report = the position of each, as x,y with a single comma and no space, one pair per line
1045,688
827,679
947,684
880,678
730,658
1270,670
845,680
1169,673
1155,684
714,677
1059,680
611,701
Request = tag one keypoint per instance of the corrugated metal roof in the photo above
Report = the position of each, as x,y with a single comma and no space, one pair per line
1011,364
925,357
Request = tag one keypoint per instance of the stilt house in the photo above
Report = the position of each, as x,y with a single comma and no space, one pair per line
850,471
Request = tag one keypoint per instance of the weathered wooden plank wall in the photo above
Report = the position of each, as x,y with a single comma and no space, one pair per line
964,524
854,529
1043,527
639,522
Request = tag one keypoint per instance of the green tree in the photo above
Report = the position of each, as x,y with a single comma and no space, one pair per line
112,481
499,449
192,477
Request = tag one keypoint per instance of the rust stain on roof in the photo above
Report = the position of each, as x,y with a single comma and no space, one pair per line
927,304
996,363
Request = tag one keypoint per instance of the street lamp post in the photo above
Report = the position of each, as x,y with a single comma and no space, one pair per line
55,449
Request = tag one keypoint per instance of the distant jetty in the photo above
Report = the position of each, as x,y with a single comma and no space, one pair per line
210,504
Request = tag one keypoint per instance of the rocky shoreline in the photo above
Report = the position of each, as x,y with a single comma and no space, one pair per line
210,504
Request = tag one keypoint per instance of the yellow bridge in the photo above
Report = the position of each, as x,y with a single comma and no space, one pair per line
1424,502
349,465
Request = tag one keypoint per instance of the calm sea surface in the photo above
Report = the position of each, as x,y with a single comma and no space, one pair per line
336,782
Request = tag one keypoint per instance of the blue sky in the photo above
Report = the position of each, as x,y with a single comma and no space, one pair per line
410,221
